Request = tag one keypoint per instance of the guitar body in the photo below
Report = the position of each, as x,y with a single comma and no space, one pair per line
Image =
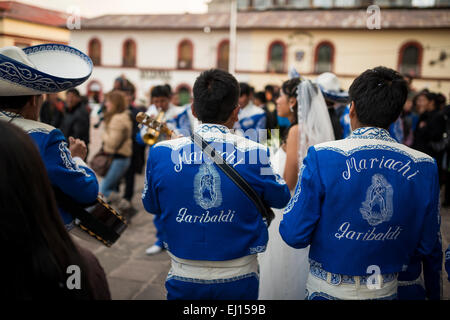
99,220
107,216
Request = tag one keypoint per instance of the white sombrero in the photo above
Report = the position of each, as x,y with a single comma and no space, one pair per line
45,68
331,88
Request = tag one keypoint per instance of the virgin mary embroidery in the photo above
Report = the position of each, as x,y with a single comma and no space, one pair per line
207,193
378,206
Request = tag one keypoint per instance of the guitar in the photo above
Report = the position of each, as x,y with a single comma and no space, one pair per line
99,220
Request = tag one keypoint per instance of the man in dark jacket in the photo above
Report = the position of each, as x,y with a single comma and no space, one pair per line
76,119
52,111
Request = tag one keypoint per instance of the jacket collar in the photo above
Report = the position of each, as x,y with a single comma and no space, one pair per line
371,133
211,128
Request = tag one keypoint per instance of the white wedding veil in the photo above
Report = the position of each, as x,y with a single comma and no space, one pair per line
313,118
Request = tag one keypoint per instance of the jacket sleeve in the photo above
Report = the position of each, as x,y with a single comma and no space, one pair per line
261,122
79,182
139,136
430,246
303,211
432,271
275,190
149,197
431,223
181,123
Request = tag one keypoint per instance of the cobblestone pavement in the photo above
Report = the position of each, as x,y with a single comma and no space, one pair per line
133,275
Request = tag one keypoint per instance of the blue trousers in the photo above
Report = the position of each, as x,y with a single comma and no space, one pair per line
244,288
116,171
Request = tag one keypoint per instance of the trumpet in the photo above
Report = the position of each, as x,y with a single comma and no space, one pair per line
155,127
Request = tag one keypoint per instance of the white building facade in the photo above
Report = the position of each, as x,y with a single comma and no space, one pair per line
173,49
157,57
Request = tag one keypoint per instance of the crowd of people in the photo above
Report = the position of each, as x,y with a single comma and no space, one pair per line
300,191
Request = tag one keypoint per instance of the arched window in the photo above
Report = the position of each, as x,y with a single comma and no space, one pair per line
129,53
95,51
185,55
223,55
410,58
276,57
324,57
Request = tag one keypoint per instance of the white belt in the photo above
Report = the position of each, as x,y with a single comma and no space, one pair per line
213,270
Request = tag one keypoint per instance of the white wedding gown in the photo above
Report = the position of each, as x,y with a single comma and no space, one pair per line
283,269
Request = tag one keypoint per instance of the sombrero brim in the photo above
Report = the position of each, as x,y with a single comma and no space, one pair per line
335,96
58,68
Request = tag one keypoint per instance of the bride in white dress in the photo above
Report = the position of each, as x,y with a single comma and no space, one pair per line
283,269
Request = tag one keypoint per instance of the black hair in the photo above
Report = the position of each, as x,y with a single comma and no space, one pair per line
119,83
74,91
289,88
36,248
424,93
168,86
160,91
261,96
129,88
379,95
245,89
440,100
216,95
269,88
14,102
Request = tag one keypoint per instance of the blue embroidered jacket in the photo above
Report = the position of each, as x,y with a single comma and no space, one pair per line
363,201
184,122
345,122
204,215
395,129
79,182
178,119
431,265
251,120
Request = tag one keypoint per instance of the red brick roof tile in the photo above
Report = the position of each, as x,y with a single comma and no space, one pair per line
299,19
29,13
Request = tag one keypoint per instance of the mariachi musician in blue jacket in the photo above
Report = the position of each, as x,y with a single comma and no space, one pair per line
210,228
367,204
26,74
